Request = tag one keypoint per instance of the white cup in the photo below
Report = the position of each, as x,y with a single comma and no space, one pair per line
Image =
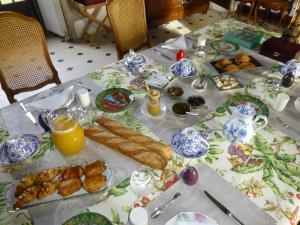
297,104
201,42
281,102
84,97
138,216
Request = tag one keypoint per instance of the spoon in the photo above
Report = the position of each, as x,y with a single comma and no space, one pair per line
159,210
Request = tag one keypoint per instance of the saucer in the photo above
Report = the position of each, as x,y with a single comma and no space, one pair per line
163,110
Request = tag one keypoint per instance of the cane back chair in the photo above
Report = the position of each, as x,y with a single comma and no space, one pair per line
128,20
25,64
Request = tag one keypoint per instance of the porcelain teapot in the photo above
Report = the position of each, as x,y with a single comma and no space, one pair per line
239,129
291,67
135,63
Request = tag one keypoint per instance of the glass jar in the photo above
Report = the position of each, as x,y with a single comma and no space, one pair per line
153,102
66,133
141,182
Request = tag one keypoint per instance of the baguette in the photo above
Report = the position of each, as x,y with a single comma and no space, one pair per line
133,150
134,136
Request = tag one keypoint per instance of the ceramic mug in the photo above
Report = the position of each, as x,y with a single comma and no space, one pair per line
189,143
183,69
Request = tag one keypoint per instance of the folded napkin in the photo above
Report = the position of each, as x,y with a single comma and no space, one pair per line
177,44
54,101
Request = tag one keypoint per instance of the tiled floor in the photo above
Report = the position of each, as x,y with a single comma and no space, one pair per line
75,59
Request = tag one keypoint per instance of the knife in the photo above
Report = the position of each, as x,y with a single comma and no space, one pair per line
28,114
222,207
162,54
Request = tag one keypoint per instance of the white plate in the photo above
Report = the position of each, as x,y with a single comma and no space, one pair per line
11,199
191,218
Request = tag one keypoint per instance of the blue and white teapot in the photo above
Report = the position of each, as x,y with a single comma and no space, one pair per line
239,128
135,63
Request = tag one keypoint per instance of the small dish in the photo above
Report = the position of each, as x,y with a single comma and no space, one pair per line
195,218
18,148
297,104
196,101
88,218
181,109
163,110
174,92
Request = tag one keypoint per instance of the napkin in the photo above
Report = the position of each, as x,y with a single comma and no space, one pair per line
54,101
177,44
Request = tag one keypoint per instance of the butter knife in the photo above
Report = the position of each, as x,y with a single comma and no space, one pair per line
28,114
222,207
162,54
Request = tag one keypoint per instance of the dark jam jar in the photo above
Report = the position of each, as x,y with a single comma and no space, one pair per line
181,109
196,101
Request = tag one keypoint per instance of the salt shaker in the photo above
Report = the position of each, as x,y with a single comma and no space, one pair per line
141,182
84,97
138,216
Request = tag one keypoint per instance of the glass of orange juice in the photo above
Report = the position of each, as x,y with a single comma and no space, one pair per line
67,135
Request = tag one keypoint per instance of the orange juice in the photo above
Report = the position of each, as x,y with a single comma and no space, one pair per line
67,135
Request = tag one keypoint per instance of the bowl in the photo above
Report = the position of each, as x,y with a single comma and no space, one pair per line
196,101
181,109
174,92
183,69
19,148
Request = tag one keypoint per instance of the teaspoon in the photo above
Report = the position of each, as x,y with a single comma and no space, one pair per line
159,210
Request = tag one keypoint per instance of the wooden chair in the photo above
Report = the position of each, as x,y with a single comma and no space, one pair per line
128,20
240,7
91,12
25,64
282,6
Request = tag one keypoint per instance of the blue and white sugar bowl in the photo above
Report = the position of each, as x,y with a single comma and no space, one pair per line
291,67
183,69
135,63
239,129
18,148
189,143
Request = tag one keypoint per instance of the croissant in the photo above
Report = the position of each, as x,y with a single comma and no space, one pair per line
94,183
47,176
48,189
69,187
97,167
24,184
134,136
72,172
26,197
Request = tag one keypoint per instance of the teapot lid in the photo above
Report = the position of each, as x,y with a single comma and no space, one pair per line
245,109
134,57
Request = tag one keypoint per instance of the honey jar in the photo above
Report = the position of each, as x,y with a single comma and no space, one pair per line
153,102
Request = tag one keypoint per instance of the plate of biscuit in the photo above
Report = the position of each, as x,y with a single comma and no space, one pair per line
233,65
57,184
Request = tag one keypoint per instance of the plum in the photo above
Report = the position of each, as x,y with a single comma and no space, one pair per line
189,175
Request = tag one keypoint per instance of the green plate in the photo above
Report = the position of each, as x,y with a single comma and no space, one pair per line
224,46
88,218
260,107
114,100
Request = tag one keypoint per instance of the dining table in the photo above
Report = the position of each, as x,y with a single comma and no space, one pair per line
262,188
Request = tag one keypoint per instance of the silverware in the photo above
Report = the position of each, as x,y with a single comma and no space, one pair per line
159,210
28,114
82,85
222,207
162,54
282,123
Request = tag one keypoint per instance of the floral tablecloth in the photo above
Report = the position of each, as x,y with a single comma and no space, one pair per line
266,170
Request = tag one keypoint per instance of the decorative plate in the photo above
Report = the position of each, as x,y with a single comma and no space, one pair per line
260,107
224,46
114,100
88,218
19,148
195,218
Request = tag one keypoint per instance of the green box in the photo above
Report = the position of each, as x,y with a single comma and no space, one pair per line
245,38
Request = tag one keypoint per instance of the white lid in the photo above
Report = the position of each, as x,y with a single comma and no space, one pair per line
138,216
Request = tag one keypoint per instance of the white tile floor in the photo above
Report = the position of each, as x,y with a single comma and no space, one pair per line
75,59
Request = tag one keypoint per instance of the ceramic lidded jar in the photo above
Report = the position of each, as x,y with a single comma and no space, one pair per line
183,69
189,143
239,128
135,63
291,67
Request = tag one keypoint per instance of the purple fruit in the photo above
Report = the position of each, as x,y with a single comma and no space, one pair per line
189,175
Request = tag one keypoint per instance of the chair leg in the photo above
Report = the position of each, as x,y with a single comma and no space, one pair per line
251,11
11,98
255,13
283,14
